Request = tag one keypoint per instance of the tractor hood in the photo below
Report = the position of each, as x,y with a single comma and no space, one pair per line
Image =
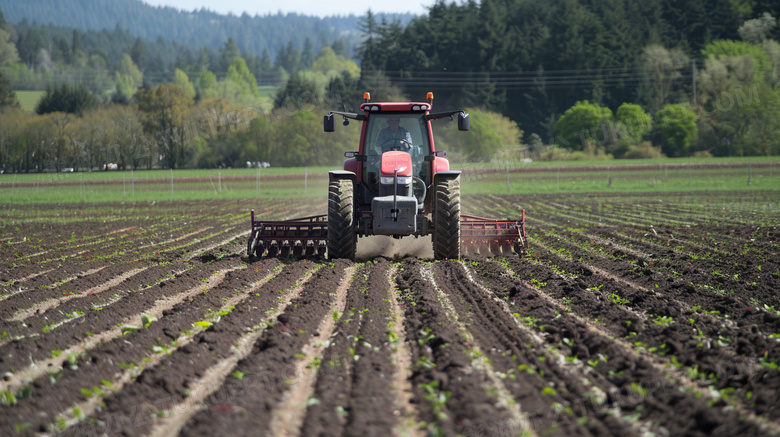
392,161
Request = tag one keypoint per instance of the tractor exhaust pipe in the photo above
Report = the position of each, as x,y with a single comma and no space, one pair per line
394,211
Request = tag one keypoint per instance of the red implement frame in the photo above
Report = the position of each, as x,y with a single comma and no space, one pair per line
310,233
303,232
481,231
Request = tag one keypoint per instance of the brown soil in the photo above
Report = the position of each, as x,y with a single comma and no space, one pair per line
631,315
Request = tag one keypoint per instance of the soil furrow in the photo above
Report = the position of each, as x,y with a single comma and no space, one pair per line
272,362
402,360
508,350
174,389
110,364
43,307
452,397
645,389
36,352
288,416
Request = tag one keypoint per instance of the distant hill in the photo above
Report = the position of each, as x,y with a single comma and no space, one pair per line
253,34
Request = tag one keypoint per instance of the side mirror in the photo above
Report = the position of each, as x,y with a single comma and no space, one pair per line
329,123
463,121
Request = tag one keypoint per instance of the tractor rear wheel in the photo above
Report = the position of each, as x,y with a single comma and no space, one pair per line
342,239
446,221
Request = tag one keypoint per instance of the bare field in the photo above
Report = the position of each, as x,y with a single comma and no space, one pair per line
631,315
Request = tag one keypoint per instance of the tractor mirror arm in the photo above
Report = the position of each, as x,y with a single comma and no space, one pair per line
351,115
438,115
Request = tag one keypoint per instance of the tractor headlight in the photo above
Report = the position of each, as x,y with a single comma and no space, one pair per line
402,180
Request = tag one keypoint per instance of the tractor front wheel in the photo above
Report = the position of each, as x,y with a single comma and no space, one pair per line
342,239
446,221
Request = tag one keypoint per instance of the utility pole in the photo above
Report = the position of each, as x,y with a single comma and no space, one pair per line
693,71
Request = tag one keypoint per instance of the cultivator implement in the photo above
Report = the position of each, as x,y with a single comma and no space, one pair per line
489,236
300,237
307,236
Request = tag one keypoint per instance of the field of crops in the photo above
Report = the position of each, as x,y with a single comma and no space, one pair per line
632,314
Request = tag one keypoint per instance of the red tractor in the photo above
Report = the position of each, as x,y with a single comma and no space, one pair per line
396,184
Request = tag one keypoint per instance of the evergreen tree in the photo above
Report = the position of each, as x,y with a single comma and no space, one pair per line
138,54
7,95
71,99
28,46
340,48
307,56
228,54
370,58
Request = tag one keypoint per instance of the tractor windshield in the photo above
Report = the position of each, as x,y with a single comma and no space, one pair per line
385,132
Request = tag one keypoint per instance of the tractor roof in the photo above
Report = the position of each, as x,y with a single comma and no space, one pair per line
396,107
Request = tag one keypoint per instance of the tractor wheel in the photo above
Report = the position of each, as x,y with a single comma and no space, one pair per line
342,239
446,223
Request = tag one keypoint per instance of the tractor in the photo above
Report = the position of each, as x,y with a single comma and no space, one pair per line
396,184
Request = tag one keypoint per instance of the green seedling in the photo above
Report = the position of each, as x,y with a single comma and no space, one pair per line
617,299
147,320
7,398
127,329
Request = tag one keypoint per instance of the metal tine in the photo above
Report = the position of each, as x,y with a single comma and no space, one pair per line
495,248
284,251
298,249
273,249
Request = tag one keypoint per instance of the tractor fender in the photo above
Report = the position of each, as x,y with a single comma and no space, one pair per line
445,175
335,175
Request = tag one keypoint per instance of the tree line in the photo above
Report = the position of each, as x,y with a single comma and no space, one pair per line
212,112
533,61
197,28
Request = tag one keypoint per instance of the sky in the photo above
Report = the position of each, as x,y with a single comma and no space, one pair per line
319,8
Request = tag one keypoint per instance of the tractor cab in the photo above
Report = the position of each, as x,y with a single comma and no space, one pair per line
396,141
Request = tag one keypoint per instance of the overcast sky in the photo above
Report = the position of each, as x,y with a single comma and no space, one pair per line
307,7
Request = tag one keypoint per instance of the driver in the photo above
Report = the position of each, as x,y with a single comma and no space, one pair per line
394,131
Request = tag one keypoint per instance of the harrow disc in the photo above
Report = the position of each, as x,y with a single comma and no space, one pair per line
495,248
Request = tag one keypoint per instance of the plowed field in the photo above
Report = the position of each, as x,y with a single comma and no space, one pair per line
631,315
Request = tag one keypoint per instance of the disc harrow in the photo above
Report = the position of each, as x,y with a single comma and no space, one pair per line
307,237
301,237
490,236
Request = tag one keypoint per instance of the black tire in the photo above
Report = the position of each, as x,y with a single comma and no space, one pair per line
342,239
446,221
250,246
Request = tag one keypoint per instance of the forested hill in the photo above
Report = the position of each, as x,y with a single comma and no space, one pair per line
531,60
253,34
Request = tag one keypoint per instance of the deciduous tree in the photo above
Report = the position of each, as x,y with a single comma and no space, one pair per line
163,109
